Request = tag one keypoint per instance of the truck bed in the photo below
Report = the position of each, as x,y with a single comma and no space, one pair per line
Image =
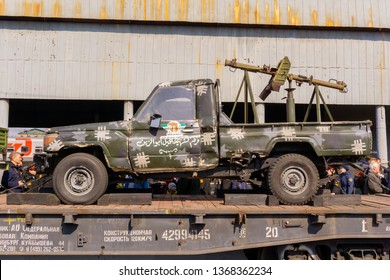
184,225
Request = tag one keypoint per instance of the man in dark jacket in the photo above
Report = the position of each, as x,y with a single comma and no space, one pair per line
346,179
374,182
15,179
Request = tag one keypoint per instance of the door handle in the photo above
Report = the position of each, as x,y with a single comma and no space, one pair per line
188,130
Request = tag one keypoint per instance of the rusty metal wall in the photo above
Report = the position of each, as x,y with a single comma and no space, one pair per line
335,13
62,60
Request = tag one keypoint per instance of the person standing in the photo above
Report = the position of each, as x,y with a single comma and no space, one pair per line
15,179
346,179
374,182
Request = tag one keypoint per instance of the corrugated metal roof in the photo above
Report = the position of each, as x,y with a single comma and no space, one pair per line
104,61
329,13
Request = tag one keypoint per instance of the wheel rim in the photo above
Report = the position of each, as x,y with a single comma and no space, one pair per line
79,180
294,179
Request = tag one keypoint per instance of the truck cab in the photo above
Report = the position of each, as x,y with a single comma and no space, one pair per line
175,130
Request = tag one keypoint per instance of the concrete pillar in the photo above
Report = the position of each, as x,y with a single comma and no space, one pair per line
260,109
4,112
381,136
128,110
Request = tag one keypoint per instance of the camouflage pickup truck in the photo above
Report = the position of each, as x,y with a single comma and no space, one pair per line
180,131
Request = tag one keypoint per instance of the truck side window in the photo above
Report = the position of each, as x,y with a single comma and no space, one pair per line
172,103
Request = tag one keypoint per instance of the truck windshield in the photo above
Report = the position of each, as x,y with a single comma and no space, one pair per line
172,103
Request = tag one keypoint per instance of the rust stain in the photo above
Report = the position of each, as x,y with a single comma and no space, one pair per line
37,9
77,9
329,21
205,13
276,12
57,9
289,14
314,18
145,9
166,15
353,21
204,9
135,8
2,7
237,18
120,8
267,19
183,10
103,10
158,9
245,11
293,16
213,10
218,68
370,22
257,12
207,10
27,8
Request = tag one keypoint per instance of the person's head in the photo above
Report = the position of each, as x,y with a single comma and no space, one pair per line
375,167
330,171
343,168
172,187
16,158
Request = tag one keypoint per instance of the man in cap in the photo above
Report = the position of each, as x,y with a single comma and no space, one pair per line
346,179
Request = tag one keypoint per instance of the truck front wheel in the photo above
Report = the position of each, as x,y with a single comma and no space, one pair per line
80,179
293,179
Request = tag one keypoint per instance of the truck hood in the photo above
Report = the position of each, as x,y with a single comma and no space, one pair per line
83,135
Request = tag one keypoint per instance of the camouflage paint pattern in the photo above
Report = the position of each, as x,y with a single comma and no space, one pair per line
189,139
112,137
326,139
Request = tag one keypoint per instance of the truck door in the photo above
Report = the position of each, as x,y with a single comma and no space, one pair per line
207,114
165,133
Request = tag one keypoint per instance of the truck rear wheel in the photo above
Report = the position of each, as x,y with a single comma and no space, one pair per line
80,179
293,179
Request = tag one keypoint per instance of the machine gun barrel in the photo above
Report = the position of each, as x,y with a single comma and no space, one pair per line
251,68
340,85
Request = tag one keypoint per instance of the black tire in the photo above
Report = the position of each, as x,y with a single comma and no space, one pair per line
293,179
80,179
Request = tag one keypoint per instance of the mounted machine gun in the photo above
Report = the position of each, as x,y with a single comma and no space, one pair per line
278,77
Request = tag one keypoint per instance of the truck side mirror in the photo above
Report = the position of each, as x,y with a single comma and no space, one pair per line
155,121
